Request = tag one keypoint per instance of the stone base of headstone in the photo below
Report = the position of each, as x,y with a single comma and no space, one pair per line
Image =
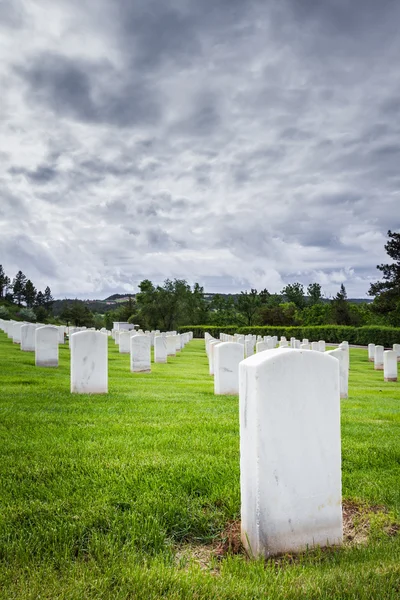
390,379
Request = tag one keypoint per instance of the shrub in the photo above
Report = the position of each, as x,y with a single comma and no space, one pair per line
4,314
27,314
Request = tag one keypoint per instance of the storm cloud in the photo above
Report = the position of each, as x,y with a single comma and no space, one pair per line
237,144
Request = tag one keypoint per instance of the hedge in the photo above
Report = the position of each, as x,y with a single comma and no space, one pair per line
362,336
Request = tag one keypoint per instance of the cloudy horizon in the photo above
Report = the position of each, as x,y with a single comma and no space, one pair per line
238,144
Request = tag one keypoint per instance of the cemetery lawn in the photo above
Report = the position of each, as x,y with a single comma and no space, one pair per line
135,494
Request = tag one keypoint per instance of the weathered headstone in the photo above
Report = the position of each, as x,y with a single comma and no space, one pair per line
290,451
89,362
46,346
227,357
140,354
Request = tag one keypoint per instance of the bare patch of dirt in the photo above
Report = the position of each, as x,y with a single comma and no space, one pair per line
356,531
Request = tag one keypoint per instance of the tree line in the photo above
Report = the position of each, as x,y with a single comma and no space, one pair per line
21,291
175,303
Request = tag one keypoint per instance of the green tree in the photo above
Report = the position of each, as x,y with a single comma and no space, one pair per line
283,314
314,294
387,292
340,307
248,305
47,298
222,310
18,287
77,314
39,299
294,292
4,282
29,294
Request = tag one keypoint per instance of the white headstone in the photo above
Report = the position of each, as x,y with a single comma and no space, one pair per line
89,362
396,348
46,346
378,358
342,356
171,345
124,342
322,345
140,354
290,451
371,352
227,357
390,365
28,337
160,349
315,346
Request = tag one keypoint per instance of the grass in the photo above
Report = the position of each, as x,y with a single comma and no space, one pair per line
133,494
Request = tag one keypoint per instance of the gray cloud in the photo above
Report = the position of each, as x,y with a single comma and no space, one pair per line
238,144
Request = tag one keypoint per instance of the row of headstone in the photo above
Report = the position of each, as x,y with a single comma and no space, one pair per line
225,354
385,360
89,355
41,339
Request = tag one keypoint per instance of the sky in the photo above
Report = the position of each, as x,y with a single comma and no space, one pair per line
235,143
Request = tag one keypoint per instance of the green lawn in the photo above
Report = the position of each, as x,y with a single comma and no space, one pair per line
133,494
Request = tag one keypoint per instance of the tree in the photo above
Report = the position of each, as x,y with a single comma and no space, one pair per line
4,282
18,286
314,294
47,298
39,299
387,292
222,310
29,294
294,292
340,307
78,314
248,304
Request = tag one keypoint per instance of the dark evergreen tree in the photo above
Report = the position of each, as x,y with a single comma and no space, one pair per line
18,287
29,294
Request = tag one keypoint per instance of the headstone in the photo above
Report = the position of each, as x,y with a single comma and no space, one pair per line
249,347
371,352
61,334
315,346
178,342
396,348
46,346
290,451
89,362
378,358
341,355
322,345
160,349
140,354
261,346
305,347
227,357
16,332
211,347
390,365
124,342
28,338
171,345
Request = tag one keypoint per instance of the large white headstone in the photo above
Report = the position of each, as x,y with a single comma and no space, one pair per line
89,362
46,346
227,357
160,349
290,452
140,354
28,337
